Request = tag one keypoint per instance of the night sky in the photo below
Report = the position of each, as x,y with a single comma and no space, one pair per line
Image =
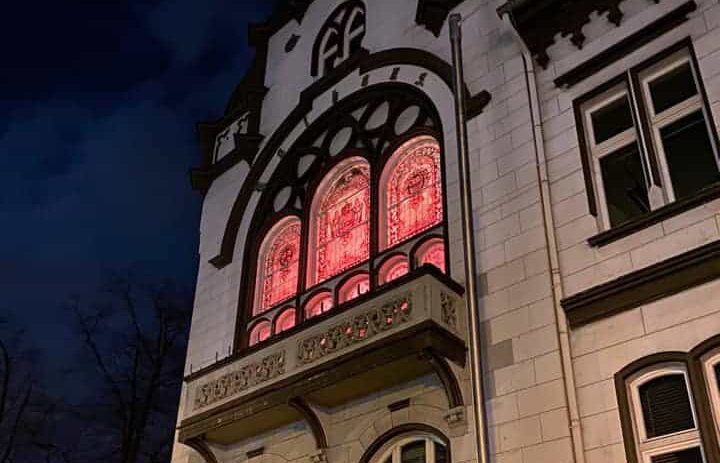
98,104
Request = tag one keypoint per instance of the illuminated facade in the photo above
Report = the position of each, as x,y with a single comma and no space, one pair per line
330,322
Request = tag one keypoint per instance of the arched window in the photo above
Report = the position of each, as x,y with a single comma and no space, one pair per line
260,332
666,427
431,252
340,37
319,304
355,286
278,265
411,187
285,321
370,214
340,229
414,449
393,268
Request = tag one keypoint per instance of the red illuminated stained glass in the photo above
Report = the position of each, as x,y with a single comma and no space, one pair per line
414,192
393,269
433,254
285,321
280,265
355,286
260,333
318,305
343,226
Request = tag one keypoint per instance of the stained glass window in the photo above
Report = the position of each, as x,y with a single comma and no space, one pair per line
342,233
318,305
260,333
393,269
413,192
433,253
279,265
354,287
285,321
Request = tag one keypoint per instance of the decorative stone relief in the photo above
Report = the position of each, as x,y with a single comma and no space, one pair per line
354,330
319,456
448,311
456,417
237,381
225,142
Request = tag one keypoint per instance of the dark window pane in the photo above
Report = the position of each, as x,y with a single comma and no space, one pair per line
717,374
666,406
692,455
413,452
689,154
611,120
440,453
625,188
672,88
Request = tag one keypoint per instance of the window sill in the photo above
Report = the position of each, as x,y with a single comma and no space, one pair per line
703,196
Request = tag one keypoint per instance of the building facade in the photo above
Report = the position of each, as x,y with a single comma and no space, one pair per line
331,320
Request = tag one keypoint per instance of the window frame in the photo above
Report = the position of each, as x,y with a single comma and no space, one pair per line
391,452
635,81
656,122
660,445
694,365
709,363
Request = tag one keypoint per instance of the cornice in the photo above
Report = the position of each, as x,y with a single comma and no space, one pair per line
539,21
432,13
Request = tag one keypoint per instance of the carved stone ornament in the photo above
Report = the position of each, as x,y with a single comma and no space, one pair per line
448,312
456,417
354,330
319,456
237,381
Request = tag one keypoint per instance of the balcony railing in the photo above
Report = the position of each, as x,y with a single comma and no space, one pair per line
395,336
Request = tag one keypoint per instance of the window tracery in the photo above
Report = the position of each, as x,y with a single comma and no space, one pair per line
301,267
340,37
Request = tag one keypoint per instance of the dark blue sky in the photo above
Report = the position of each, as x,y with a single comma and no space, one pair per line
98,102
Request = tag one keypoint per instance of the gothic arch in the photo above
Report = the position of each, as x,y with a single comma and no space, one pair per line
365,127
384,59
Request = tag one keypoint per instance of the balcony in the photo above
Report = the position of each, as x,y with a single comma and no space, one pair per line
409,329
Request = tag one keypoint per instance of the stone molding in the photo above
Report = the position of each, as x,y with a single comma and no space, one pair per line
237,381
355,330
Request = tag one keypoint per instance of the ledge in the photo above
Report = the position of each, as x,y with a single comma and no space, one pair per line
641,287
390,339
703,196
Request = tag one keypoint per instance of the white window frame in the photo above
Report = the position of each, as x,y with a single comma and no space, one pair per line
598,151
659,121
647,448
657,196
710,361
393,449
